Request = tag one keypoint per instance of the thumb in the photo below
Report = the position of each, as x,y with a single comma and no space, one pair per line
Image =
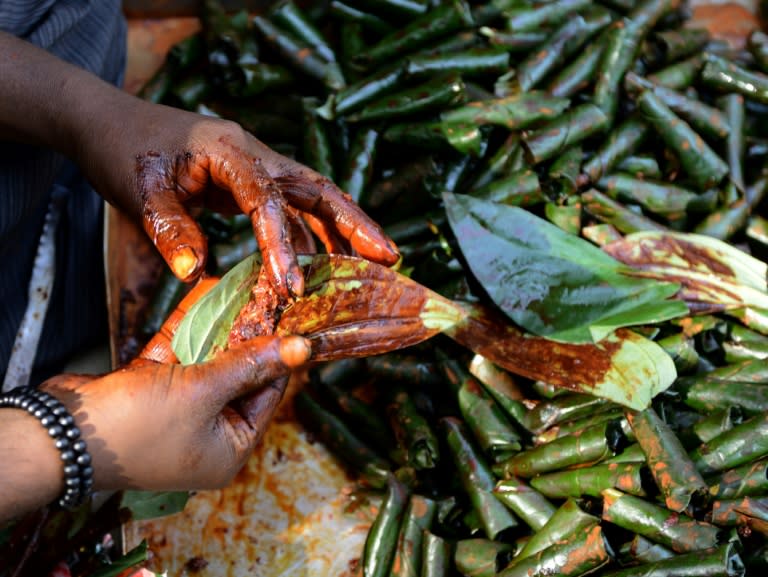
249,366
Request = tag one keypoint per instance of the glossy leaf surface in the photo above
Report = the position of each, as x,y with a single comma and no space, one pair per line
714,275
625,367
352,307
549,282
205,327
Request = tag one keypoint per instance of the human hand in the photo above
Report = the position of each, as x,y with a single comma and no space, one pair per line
157,426
156,161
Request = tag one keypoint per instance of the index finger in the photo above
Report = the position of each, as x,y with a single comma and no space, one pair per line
320,197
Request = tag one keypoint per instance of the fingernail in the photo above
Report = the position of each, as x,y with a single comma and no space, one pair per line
295,351
295,280
184,262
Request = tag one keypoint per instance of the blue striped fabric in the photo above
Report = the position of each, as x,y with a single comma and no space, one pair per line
90,34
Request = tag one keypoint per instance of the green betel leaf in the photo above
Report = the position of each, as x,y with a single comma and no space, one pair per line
153,504
624,367
205,327
353,307
550,282
714,275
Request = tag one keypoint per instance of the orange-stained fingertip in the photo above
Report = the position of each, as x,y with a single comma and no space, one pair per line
185,263
294,351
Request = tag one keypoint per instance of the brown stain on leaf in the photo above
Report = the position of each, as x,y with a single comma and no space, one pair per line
579,367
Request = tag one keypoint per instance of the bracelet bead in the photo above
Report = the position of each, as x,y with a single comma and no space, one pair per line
60,426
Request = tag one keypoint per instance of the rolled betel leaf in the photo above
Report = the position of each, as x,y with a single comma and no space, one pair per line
365,90
594,444
288,15
625,220
702,165
477,480
674,45
501,386
679,75
404,368
513,42
679,532
722,561
490,427
734,112
620,142
632,454
658,197
579,73
563,174
360,415
572,127
601,234
747,511
527,503
507,159
631,478
474,61
583,551
559,46
300,54
441,21
682,349
513,112
705,119
640,166
568,519
481,557
642,550
436,556
647,13
519,188
358,170
524,17
708,394
726,76
734,217
417,519
381,542
563,408
750,479
622,44
414,435
675,474
742,444
341,441
577,426
433,95
717,423
316,146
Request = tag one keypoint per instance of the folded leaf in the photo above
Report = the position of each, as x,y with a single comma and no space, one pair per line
353,307
625,368
548,281
205,327
714,275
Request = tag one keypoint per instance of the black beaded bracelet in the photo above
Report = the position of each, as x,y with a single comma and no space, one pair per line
78,473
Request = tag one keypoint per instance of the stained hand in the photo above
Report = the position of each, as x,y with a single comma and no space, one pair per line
162,426
166,159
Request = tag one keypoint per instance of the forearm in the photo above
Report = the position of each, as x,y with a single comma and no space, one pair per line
31,470
49,102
